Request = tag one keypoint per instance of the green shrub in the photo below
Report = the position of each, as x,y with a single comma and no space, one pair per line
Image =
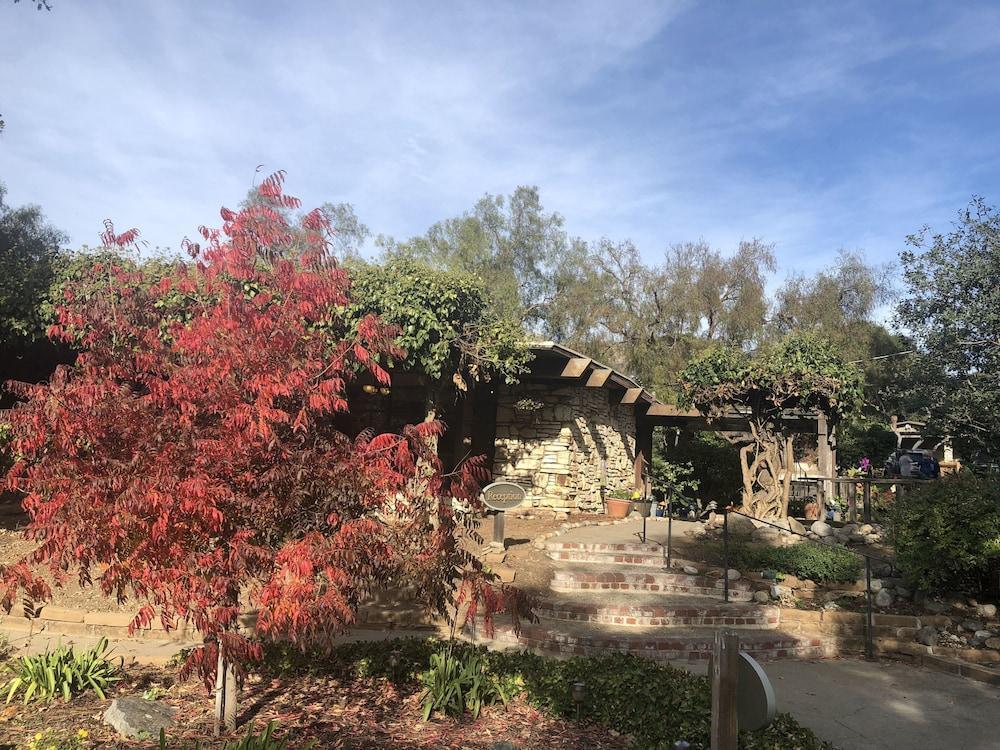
947,534
460,680
63,672
806,560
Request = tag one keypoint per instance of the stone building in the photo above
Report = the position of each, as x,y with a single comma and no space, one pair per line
571,430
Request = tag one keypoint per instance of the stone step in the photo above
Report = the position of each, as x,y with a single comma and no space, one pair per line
655,611
640,580
679,644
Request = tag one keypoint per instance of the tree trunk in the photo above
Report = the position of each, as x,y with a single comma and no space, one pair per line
767,478
226,695
787,483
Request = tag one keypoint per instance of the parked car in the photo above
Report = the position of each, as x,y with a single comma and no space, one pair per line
906,464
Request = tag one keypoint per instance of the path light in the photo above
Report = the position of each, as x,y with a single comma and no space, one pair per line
579,696
682,745
394,658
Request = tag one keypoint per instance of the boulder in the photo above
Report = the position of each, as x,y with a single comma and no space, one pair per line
989,611
993,643
972,625
768,575
740,526
865,528
795,526
877,584
136,717
935,607
761,597
903,593
927,635
734,574
561,515
690,570
766,535
821,529
980,637
883,599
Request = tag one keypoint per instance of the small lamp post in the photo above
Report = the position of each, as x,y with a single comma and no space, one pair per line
394,658
579,696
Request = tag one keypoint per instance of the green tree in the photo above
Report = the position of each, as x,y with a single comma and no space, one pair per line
800,372
648,320
29,264
445,323
952,311
511,243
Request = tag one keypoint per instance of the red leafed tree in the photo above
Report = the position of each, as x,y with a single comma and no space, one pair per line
191,462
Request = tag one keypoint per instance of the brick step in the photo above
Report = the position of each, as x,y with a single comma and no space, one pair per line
655,611
680,644
640,580
635,553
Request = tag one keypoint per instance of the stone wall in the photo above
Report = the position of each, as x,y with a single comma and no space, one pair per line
555,440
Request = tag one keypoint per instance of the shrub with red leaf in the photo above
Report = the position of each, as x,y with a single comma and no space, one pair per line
190,460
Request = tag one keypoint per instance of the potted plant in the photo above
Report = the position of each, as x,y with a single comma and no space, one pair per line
642,505
618,503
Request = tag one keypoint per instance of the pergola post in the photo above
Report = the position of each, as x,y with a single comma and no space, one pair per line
826,457
643,449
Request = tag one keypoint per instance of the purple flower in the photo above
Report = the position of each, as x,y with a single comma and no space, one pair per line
864,464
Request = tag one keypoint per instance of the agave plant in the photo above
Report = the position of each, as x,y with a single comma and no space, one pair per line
64,672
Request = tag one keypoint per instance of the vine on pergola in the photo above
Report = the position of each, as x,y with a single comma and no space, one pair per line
800,373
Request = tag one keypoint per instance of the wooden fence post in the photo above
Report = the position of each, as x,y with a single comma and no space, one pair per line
724,673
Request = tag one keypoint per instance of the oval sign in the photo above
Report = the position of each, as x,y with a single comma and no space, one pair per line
503,496
755,704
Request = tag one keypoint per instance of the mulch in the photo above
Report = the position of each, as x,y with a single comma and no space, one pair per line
360,714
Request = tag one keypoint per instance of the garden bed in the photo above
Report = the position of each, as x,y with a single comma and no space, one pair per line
356,699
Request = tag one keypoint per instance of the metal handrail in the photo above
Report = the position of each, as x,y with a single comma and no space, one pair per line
869,615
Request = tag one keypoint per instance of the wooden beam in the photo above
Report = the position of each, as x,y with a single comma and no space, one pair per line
669,410
631,395
598,377
576,367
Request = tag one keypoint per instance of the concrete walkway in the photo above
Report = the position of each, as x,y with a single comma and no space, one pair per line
627,533
860,705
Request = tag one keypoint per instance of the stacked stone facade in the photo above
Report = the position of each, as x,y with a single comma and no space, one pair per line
562,443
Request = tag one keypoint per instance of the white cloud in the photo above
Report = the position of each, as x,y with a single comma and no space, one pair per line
663,122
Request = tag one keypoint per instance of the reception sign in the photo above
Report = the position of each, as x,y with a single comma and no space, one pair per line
503,496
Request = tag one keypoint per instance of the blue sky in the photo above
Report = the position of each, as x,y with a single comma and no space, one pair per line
814,126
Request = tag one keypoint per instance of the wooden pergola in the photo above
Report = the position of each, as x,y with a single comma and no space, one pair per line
561,365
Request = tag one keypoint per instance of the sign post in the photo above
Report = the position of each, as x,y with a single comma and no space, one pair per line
501,497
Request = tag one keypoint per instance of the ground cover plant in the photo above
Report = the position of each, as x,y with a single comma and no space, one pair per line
820,563
649,704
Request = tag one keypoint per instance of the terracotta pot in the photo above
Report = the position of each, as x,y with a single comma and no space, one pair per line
812,511
618,508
